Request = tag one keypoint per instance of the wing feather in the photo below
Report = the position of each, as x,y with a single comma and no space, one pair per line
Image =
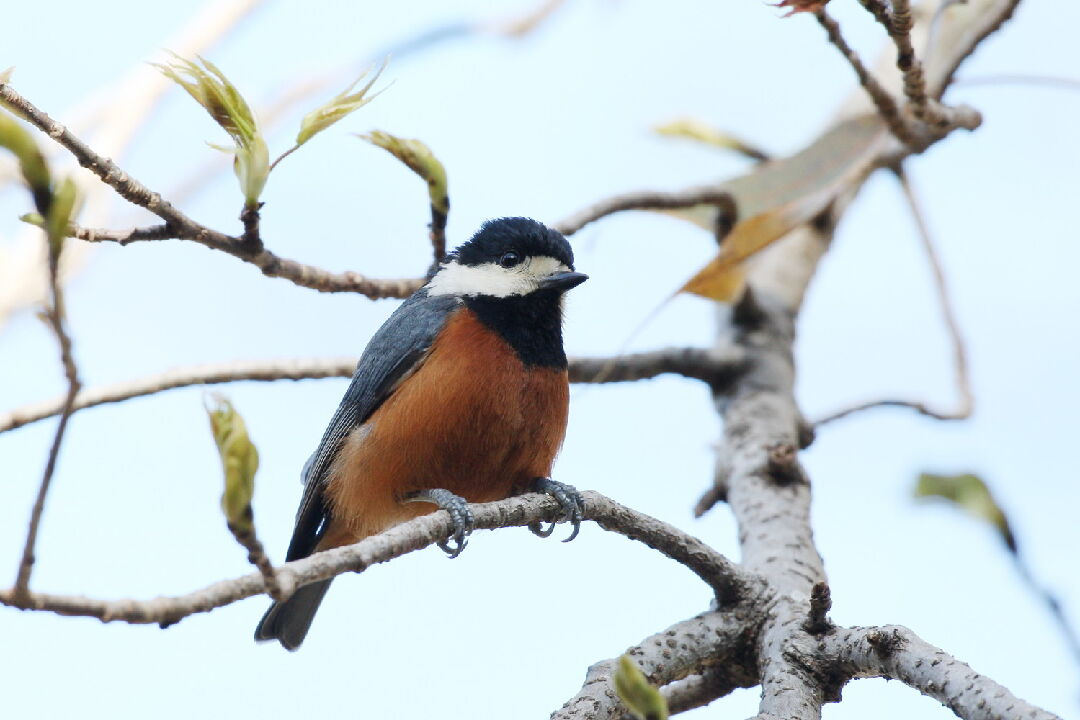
395,351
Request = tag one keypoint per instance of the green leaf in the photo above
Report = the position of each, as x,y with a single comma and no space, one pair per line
419,158
337,108
643,700
61,210
239,460
969,493
32,166
694,129
220,98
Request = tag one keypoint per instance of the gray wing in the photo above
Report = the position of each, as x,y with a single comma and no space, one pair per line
394,351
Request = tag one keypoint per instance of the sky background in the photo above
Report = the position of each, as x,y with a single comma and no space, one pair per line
542,126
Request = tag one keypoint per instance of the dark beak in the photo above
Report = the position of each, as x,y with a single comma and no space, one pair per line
563,281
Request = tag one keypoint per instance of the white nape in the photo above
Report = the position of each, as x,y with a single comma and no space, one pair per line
492,279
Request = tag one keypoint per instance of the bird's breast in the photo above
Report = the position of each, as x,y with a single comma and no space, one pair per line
473,419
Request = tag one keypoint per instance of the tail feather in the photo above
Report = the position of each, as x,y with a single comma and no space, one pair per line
288,622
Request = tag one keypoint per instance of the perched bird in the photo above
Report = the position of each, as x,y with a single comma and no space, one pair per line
460,397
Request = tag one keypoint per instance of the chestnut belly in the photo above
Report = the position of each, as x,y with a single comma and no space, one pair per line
473,419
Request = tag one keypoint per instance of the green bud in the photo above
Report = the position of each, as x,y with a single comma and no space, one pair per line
642,700
239,460
32,166
61,210
419,158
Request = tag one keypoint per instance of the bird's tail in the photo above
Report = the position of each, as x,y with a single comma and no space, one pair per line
288,622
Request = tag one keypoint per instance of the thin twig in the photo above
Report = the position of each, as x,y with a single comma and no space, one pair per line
1063,83
54,314
705,364
883,101
648,200
257,557
260,370
151,232
187,229
437,234
399,540
898,22
966,404
1053,605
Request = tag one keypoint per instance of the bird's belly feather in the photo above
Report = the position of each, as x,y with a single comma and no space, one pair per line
475,421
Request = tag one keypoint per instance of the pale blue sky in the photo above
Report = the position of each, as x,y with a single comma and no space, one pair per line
541,127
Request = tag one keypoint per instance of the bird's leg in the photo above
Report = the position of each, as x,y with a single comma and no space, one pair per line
568,497
461,517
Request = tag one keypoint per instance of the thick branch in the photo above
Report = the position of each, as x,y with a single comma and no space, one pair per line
691,647
395,542
896,652
184,228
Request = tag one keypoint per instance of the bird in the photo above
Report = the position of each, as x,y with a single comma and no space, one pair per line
462,396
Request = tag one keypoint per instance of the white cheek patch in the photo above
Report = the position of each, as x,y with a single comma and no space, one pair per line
492,279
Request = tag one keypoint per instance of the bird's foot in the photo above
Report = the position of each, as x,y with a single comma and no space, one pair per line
461,517
568,497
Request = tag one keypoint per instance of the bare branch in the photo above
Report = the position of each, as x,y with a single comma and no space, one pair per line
260,370
399,540
713,683
966,403
716,367
123,237
437,234
650,200
898,23
187,229
896,652
257,557
712,366
883,101
729,583
54,315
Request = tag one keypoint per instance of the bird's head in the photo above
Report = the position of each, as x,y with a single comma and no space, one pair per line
508,257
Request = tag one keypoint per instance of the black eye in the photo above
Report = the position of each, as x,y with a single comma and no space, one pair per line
509,259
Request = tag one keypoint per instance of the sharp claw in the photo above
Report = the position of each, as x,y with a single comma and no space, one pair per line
538,529
570,501
460,517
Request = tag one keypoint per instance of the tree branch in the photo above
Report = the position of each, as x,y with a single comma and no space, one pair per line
54,315
883,101
690,647
650,200
712,366
262,370
399,540
896,652
184,228
966,404
257,557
